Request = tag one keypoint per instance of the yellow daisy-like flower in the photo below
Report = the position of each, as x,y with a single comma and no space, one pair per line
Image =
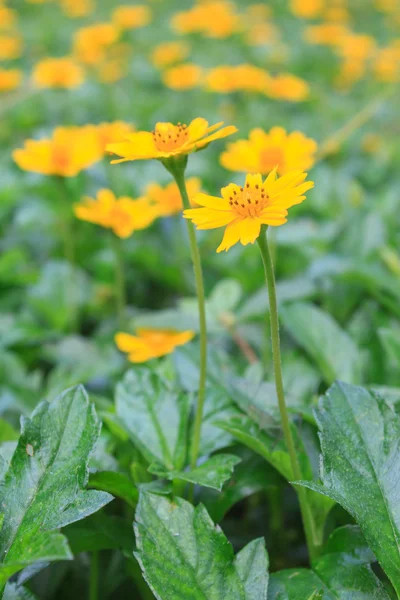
92,42
8,17
168,53
288,87
265,150
62,73
169,140
131,17
168,199
183,77
10,47
307,9
151,343
69,151
75,10
243,210
10,79
122,215
113,131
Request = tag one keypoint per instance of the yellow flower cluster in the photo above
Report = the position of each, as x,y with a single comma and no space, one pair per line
63,73
211,18
10,49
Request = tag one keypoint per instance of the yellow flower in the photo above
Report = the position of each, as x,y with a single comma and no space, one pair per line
168,199
242,210
131,17
183,77
10,47
355,46
113,132
8,17
325,34
115,64
69,151
58,73
306,9
386,65
265,150
168,53
74,9
288,87
168,140
10,79
226,79
213,18
91,43
122,215
151,343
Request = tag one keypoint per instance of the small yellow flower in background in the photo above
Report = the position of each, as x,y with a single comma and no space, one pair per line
10,47
151,343
336,14
8,17
354,46
212,18
168,199
10,79
288,87
386,64
243,210
307,9
183,77
387,6
62,73
113,132
90,43
325,34
168,140
168,53
265,150
115,65
227,79
122,215
69,151
131,17
74,9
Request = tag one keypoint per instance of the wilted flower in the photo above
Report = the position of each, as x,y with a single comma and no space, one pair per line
168,140
122,215
265,150
69,151
10,79
183,77
58,73
168,199
151,343
131,17
243,210
168,53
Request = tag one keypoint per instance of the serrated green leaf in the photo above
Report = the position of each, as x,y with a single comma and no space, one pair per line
116,484
155,417
184,556
321,337
212,473
360,435
43,488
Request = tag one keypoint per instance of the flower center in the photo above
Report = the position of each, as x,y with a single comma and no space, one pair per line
169,137
270,157
60,158
249,201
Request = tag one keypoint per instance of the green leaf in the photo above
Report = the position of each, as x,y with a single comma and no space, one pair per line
360,435
391,342
43,488
116,484
335,353
184,556
343,572
155,417
100,532
17,592
212,473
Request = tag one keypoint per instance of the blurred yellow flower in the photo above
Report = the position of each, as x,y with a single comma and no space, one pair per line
213,18
10,47
58,73
386,64
115,65
69,151
131,17
168,199
183,77
242,210
10,79
91,43
354,46
306,9
151,343
114,131
122,215
168,53
8,17
227,79
169,140
265,150
387,6
288,87
74,9
325,34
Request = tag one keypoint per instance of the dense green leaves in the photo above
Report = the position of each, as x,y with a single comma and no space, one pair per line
321,337
43,488
360,435
184,556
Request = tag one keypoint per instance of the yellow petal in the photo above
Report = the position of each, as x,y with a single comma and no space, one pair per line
211,201
249,230
224,132
126,342
231,236
197,128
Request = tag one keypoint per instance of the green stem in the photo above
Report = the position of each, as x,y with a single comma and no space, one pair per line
94,576
194,249
307,516
69,250
120,283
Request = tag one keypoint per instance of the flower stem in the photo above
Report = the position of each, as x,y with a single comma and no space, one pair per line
307,516
120,283
94,576
69,252
194,249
